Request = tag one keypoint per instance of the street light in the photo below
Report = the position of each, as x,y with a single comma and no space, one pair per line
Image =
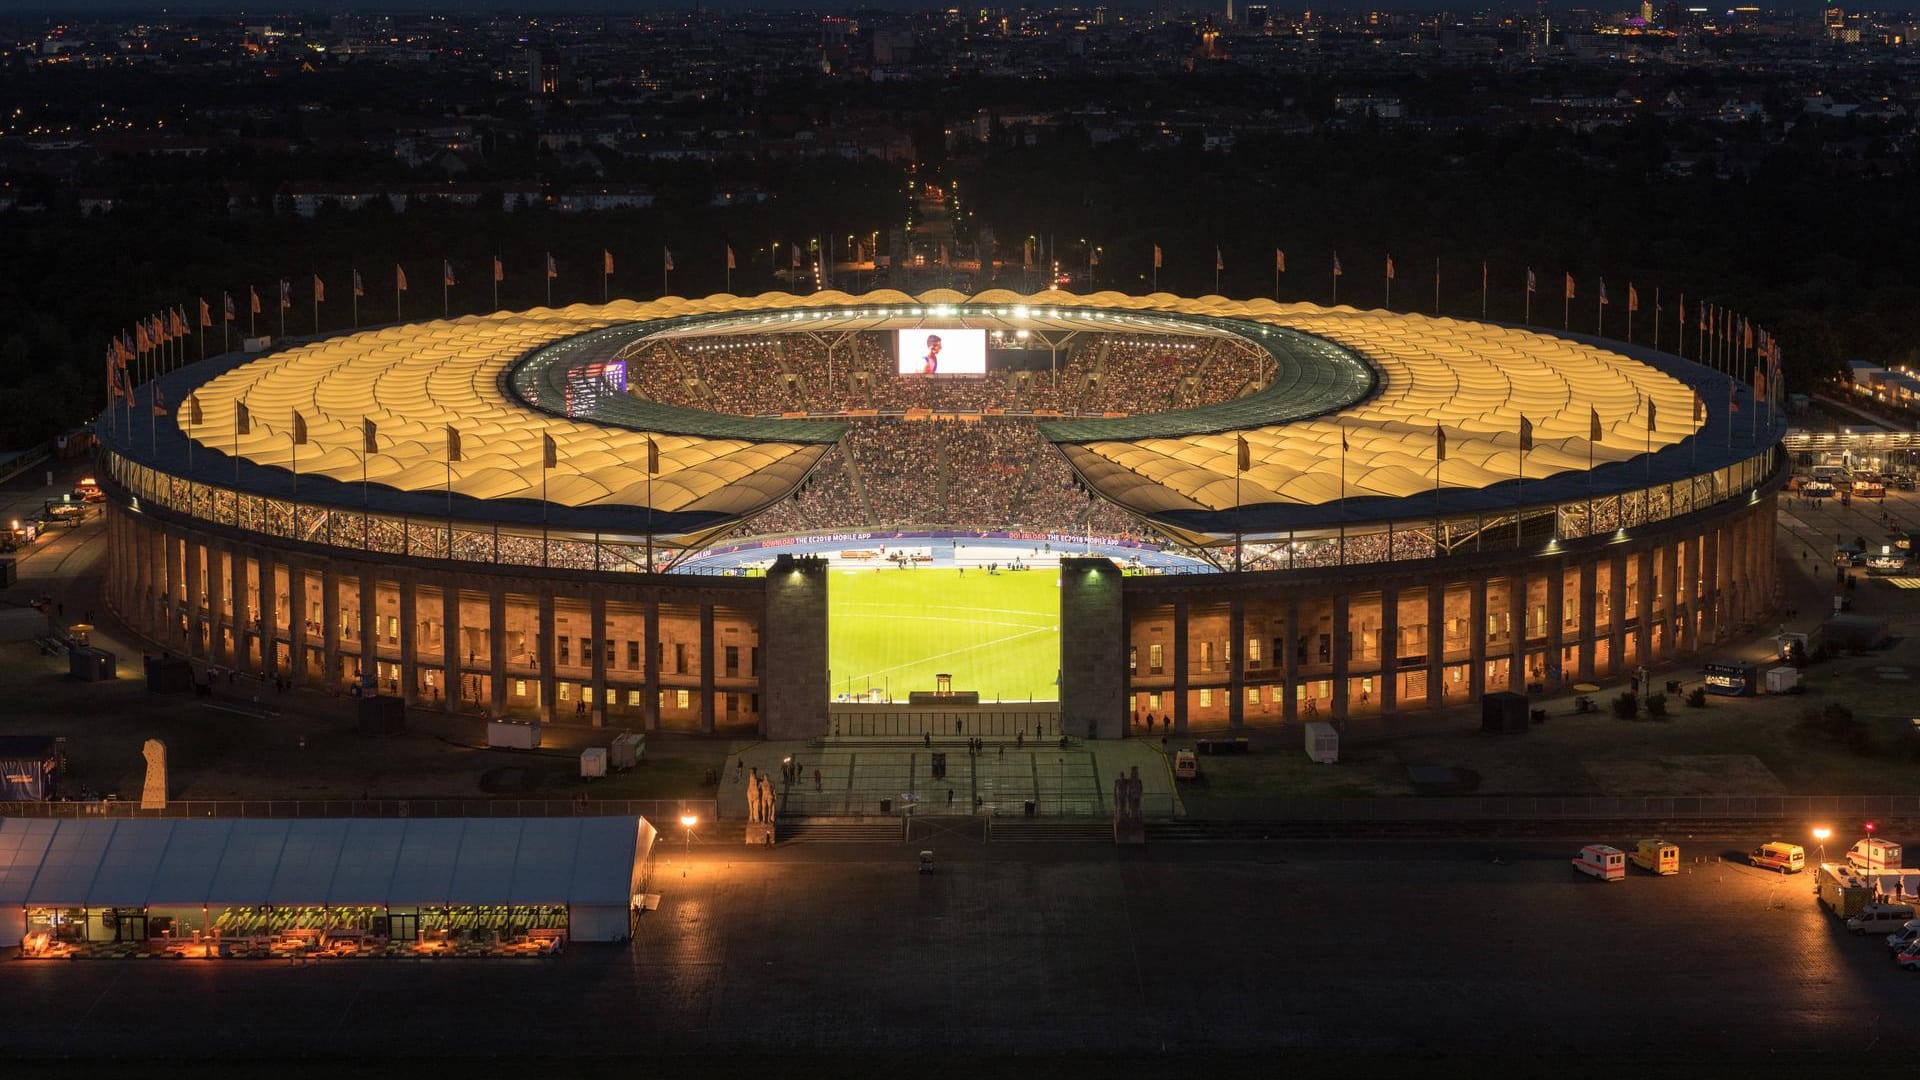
687,822
1820,834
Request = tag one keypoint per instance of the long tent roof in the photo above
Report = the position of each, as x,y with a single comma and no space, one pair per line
320,861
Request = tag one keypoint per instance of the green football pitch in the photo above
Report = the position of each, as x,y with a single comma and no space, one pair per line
894,630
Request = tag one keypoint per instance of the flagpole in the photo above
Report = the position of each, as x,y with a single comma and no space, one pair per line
1483,290
1632,302
1656,318
446,305
549,272
1336,279
1527,318
1389,301
283,313
1343,495
1600,312
1436,286
1519,511
316,310
353,298
251,297
226,325
496,281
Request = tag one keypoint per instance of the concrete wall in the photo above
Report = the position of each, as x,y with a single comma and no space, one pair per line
793,701
1093,649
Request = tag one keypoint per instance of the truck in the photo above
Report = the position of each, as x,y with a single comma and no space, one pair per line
1874,853
1656,856
1846,891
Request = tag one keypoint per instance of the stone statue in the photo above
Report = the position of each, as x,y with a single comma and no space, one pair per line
1134,789
753,797
153,794
1121,787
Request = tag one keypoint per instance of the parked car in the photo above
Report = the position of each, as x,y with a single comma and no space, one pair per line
1904,936
1786,858
1909,957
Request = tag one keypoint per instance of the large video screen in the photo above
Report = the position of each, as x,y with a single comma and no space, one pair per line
941,351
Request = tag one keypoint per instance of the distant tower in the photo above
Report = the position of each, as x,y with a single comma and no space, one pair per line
1229,21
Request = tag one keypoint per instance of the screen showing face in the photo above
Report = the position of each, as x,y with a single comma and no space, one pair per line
941,351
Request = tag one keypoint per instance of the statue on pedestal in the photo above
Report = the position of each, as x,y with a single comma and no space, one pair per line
153,794
1134,789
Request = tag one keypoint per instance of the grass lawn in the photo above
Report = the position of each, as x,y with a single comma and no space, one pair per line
896,629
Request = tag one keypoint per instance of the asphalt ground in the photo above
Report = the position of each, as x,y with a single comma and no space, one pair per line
1350,957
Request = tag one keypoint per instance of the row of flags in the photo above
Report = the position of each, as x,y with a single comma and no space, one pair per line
370,435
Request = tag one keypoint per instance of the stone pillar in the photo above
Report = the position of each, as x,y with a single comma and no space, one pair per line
297,622
496,650
330,626
1617,622
451,643
369,629
1180,666
1342,655
1093,649
240,606
1689,591
1669,599
409,646
650,619
1711,594
1643,634
1477,638
1589,611
1289,691
269,615
707,665
1436,641
140,614
1556,618
545,655
215,607
1236,662
1388,692
164,579
184,575
597,626
1518,606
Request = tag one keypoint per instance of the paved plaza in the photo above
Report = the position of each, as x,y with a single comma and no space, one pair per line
845,953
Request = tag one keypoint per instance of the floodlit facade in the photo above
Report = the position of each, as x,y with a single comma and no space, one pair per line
1405,512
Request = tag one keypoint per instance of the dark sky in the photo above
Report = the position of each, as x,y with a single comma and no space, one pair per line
57,8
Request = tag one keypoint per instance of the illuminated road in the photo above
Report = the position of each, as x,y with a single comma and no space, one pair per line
847,951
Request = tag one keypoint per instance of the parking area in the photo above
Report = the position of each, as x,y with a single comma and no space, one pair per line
845,952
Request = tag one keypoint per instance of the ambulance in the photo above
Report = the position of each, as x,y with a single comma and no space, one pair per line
1786,858
1874,854
1604,861
1657,856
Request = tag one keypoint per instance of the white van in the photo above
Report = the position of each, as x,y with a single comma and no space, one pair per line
1904,936
1881,918
1874,853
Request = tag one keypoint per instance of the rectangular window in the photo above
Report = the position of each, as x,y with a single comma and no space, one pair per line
519,688
1206,698
566,652
586,652
682,696
732,659
754,659
1153,702
633,698
679,657
1253,695
1154,657
393,629
1133,659
1253,652
609,643
633,656
1206,656
566,691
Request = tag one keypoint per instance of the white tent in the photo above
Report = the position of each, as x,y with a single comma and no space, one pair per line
591,865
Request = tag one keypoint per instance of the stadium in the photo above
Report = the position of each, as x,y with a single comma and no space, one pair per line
797,515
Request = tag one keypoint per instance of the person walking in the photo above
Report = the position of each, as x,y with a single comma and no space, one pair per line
816,780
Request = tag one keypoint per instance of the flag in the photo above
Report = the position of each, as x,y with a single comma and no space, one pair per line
1569,286
1526,434
1733,395
796,256
1603,292
369,435
1653,414
499,272
1343,438
242,420
453,444
1633,297
319,290
730,262
160,333
286,294
177,325
1703,317
549,453
1389,268
1683,311
206,314
1336,265
1746,328
1699,409
299,429
667,260
1157,258
1243,459
1760,385
1219,263
1093,257
1026,255
1439,443
193,409
141,340
226,305
399,278
943,254
552,270
359,287
159,401
446,273
653,457
1532,284
1594,434
253,300
1279,261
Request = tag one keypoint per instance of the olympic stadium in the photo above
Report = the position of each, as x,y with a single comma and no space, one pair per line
803,514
